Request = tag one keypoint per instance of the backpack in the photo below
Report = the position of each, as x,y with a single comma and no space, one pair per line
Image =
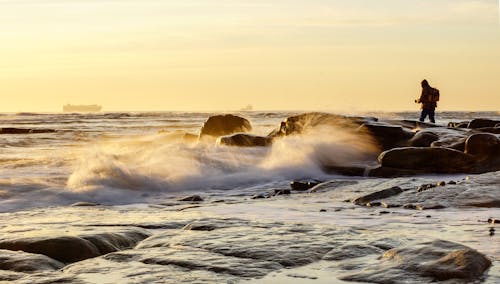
434,95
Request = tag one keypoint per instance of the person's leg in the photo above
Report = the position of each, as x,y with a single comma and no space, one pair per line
431,115
423,114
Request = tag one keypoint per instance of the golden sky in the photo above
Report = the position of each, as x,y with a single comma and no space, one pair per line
347,55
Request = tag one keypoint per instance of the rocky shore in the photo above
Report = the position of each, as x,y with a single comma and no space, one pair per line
420,205
375,230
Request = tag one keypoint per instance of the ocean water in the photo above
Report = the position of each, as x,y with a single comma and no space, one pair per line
140,157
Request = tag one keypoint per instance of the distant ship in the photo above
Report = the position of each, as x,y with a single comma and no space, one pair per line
82,108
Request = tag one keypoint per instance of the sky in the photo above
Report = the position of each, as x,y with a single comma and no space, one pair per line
205,55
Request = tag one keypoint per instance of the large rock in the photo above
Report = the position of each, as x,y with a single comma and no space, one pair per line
220,125
69,249
245,140
431,160
424,263
482,122
300,123
486,149
482,144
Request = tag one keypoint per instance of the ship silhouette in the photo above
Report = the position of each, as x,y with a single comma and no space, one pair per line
81,108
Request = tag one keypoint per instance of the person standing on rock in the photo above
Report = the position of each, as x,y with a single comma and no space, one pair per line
428,99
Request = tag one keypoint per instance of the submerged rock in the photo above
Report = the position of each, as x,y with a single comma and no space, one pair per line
425,262
220,125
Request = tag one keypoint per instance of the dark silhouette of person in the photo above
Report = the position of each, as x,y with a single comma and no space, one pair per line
428,99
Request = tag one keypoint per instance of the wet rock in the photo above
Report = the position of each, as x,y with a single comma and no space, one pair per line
303,185
331,185
274,243
485,203
299,123
322,210
69,249
452,182
191,198
363,200
425,187
27,262
431,160
425,262
10,130
493,221
482,144
441,183
245,140
423,139
188,259
351,251
482,122
221,125
388,136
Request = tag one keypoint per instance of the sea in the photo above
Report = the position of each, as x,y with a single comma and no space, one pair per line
120,158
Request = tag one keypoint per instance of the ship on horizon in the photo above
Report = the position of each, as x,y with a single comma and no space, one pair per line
81,108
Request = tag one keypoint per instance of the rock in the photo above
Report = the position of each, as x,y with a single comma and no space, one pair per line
245,140
425,187
191,198
299,123
423,263
303,185
441,183
452,182
27,262
363,200
482,122
221,125
289,245
430,160
423,139
10,130
482,144
69,249
387,136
